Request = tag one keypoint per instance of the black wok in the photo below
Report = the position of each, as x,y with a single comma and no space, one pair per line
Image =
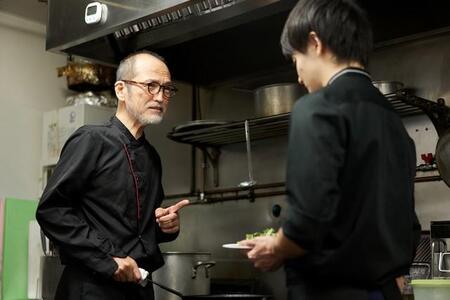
443,156
216,297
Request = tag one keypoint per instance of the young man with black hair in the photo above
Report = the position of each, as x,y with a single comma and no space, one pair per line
350,229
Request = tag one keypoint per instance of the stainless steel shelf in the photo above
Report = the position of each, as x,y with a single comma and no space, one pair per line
260,128
401,107
277,125
234,132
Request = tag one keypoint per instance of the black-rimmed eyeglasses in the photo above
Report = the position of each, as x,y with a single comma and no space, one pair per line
154,88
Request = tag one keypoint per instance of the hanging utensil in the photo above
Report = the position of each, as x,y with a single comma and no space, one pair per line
251,181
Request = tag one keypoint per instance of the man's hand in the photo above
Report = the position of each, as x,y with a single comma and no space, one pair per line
401,283
263,254
269,252
168,219
127,270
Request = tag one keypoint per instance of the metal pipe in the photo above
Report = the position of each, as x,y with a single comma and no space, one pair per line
193,152
240,189
258,195
231,190
180,196
243,197
428,178
204,169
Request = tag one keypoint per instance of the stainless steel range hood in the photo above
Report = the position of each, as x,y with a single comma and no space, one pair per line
136,24
213,42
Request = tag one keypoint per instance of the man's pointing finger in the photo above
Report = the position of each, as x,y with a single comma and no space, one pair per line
176,207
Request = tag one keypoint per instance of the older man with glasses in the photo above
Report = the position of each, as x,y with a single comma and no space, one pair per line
101,207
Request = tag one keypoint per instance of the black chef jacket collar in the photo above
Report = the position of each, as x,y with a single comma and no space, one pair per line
131,140
349,70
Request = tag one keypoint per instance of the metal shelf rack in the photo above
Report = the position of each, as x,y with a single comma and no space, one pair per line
234,132
403,108
216,136
277,125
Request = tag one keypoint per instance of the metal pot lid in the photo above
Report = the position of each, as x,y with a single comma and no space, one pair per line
197,124
443,156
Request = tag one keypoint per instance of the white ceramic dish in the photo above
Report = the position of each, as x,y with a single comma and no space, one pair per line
236,246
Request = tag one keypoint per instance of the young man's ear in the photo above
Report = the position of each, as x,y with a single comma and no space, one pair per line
120,89
314,43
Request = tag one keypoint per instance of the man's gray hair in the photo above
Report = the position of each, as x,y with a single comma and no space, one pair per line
126,66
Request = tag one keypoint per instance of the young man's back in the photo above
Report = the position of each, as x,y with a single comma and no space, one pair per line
350,177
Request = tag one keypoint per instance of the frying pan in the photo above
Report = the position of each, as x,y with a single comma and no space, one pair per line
443,156
216,297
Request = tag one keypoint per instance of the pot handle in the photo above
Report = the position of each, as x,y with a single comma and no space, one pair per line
443,268
206,264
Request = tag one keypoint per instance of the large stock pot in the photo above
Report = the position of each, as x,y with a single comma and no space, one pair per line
388,87
186,272
277,98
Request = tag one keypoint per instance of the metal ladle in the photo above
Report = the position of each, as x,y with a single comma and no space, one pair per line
251,182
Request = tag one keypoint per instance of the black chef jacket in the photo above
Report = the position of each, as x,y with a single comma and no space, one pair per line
101,198
350,172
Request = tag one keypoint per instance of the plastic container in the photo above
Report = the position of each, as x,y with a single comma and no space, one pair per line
431,289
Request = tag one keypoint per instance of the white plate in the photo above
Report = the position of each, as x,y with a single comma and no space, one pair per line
236,246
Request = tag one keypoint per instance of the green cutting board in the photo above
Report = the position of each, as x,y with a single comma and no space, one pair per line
17,214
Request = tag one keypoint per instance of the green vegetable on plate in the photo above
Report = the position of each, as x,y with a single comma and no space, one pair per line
265,232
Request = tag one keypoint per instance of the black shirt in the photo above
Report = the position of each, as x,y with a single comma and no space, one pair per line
350,172
101,198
